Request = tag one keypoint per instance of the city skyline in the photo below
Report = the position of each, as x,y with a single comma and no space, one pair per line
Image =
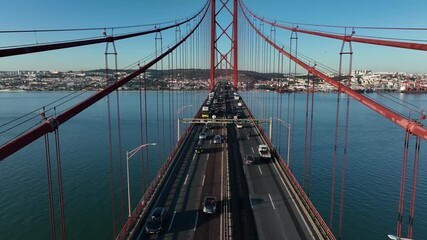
50,14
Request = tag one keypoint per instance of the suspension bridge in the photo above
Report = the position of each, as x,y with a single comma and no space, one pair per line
226,171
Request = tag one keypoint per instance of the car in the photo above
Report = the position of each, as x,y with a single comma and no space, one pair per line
208,125
209,204
155,221
249,159
202,135
239,125
199,149
217,139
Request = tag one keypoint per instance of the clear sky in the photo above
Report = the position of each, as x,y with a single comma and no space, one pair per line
59,14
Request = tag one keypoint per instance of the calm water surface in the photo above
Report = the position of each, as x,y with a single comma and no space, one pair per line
374,156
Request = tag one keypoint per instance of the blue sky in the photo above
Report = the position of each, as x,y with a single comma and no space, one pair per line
52,14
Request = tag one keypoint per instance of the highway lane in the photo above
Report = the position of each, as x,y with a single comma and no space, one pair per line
261,205
182,198
210,226
198,175
275,212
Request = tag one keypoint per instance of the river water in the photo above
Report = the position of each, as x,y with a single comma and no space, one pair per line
372,174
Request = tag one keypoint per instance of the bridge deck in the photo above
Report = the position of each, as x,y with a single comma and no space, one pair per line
254,200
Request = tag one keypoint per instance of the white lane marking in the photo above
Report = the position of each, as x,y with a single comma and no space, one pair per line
252,148
194,157
186,178
259,168
271,200
170,225
222,187
207,157
244,170
295,204
249,135
195,224
203,181
250,200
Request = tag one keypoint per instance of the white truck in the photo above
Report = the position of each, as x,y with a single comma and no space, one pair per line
264,151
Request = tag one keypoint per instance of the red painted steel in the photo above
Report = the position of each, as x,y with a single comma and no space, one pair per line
408,45
62,45
413,127
235,70
53,123
213,37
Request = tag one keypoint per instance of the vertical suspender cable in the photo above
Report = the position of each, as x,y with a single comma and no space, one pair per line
280,99
344,164
294,100
118,123
49,185
157,38
170,92
163,150
310,157
147,170
414,186
334,167
60,193
403,184
119,135
306,131
141,135
110,146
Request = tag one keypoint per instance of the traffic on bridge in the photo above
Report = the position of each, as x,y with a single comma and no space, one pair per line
226,184
210,112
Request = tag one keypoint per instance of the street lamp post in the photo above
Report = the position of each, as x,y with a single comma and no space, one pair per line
129,155
181,109
288,126
178,111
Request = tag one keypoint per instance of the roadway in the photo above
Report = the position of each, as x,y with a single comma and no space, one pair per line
198,175
253,200
274,208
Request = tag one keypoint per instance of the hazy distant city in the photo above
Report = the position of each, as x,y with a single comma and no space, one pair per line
196,79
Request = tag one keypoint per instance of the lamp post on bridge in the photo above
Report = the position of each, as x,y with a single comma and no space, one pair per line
129,155
288,126
181,109
178,111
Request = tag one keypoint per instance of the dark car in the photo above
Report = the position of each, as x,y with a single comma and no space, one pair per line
209,204
155,221
217,139
202,135
199,149
249,159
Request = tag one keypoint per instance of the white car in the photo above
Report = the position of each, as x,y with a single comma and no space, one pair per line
239,125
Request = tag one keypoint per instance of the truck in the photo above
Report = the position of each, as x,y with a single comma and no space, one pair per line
264,151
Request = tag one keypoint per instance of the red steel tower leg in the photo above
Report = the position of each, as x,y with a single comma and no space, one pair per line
235,73
213,40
